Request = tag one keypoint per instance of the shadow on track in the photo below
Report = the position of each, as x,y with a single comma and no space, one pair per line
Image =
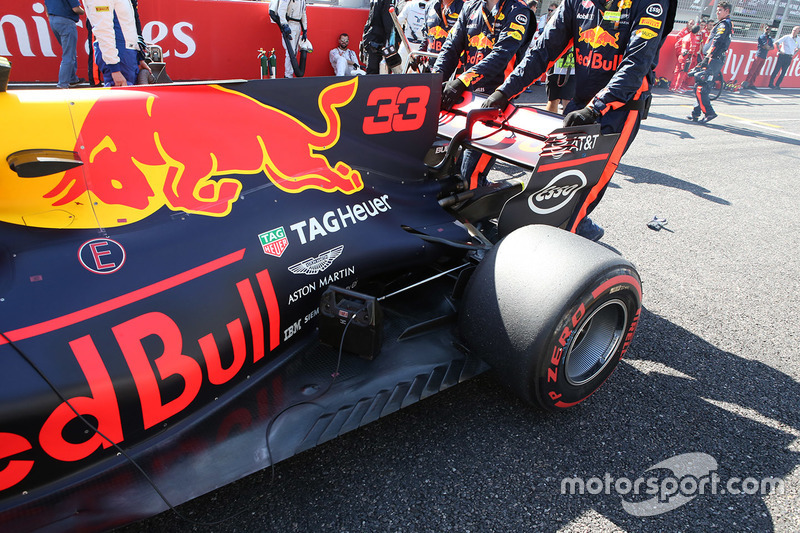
431,467
639,175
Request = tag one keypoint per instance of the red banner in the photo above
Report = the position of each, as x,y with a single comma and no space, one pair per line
737,64
213,39
201,39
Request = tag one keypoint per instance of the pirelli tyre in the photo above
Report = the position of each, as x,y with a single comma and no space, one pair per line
552,313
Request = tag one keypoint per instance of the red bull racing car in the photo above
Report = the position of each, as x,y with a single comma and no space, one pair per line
201,280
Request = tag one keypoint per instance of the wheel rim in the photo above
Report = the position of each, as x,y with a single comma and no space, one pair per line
595,341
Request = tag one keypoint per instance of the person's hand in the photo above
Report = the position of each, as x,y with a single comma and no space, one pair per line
581,117
704,63
451,92
286,30
119,79
144,66
304,34
497,99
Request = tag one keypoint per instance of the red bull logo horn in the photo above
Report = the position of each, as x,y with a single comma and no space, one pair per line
597,37
188,141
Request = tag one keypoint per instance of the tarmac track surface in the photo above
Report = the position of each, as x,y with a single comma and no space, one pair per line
714,369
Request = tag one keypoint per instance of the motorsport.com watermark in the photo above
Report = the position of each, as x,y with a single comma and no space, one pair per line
693,474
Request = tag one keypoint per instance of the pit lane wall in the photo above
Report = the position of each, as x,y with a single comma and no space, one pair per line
201,39
214,39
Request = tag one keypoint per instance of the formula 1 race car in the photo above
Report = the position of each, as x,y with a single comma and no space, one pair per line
200,280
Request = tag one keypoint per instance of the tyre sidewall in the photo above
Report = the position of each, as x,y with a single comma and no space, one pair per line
552,390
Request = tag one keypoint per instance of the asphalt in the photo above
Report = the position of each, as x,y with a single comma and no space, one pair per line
714,370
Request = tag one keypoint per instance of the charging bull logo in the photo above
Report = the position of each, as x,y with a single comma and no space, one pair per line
480,41
437,33
597,37
177,149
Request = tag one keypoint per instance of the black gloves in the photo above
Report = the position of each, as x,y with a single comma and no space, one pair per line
286,30
587,115
704,63
304,34
451,92
496,99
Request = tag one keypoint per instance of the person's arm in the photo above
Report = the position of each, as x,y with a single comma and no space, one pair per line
76,7
638,59
512,33
102,19
453,46
553,42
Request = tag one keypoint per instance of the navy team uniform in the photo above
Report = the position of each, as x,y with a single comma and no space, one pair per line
440,16
488,42
616,51
485,42
715,58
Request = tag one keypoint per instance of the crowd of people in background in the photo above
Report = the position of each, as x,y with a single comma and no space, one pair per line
119,52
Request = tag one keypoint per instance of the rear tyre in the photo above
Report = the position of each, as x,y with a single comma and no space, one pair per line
552,313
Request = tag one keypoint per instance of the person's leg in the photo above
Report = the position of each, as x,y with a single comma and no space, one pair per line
66,33
341,66
775,72
784,60
475,167
374,57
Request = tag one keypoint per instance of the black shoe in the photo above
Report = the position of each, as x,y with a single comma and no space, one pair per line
589,230
79,81
708,118
777,87
692,118
771,86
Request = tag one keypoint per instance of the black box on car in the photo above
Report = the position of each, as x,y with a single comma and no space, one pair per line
356,316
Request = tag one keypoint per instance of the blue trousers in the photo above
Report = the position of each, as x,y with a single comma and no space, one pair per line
67,35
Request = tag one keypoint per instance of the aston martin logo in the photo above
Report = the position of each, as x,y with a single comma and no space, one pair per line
315,265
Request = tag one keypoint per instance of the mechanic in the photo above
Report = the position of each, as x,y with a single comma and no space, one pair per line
616,50
293,24
530,32
689,45
711,66
343,60
787,47
377,32
116,42
485,38
440,16
64,16
764,47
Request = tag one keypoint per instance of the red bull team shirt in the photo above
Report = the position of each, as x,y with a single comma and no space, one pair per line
488,41
616,48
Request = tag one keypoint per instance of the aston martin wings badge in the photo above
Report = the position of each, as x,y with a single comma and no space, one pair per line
315,265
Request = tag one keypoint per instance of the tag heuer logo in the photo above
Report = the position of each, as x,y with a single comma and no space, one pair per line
274,241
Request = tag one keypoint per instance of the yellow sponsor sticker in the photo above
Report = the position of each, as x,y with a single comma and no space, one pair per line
515,34
612,16
653,23
625,4
645,33
515,26
102,9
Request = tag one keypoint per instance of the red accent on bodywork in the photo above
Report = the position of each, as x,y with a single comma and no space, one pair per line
120,301
273,311
102,405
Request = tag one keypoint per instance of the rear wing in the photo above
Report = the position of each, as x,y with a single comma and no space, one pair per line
567,163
